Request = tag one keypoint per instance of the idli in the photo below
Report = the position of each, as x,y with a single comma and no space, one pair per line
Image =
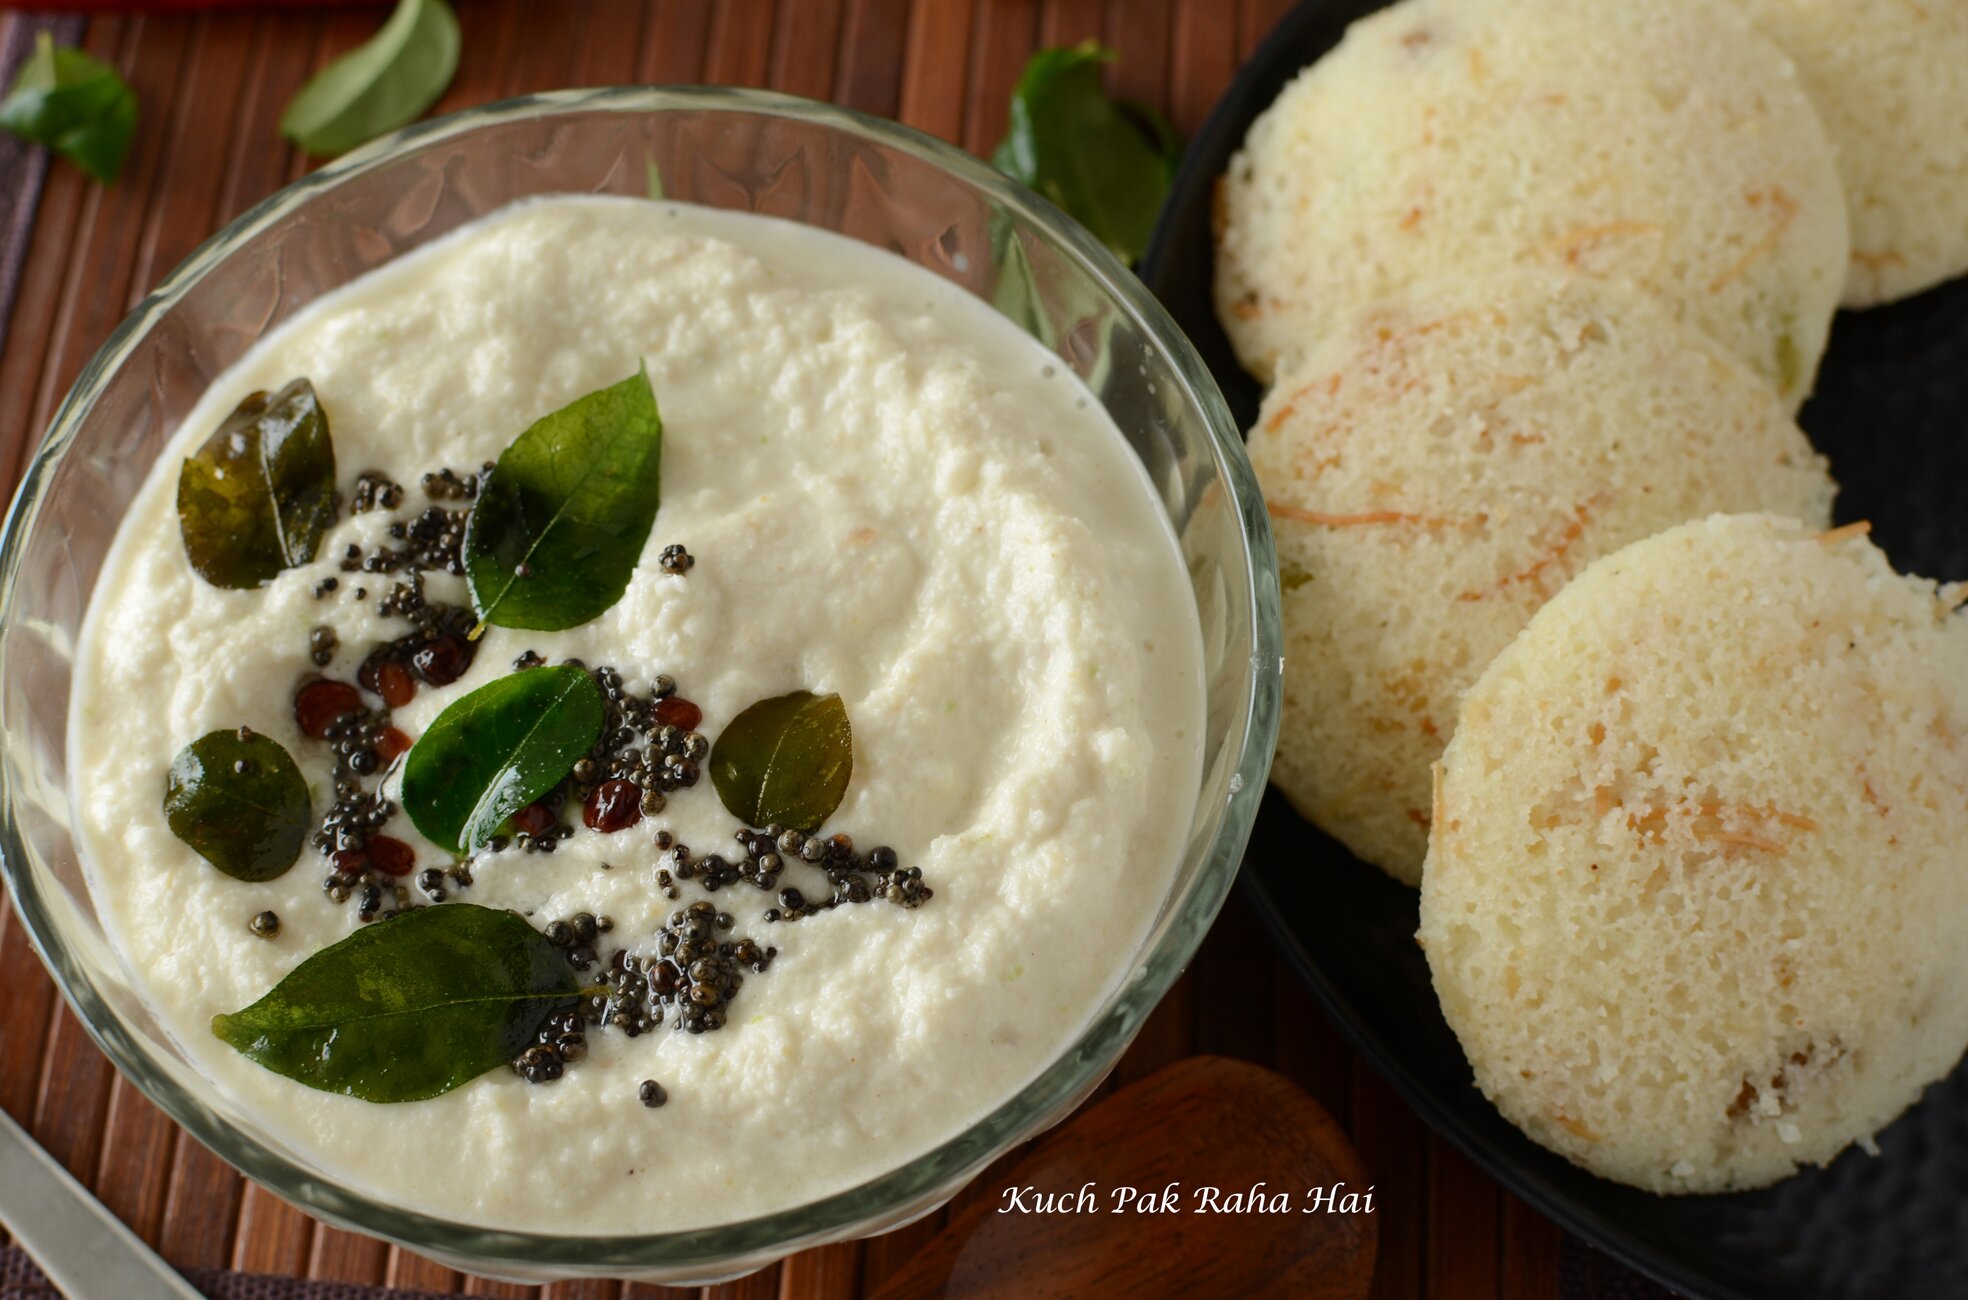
1695,901
1439,468
1890,81
1665,144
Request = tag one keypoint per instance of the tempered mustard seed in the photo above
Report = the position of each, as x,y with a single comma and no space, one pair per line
361,741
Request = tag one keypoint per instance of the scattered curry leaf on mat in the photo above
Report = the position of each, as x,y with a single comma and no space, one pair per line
492,752
408,1008
259,495
786,760
236,798
379,86
1108,163
560,523
76,105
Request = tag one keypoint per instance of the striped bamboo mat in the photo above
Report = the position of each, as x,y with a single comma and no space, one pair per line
74,257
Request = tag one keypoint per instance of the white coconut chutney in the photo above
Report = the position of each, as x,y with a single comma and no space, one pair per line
890,493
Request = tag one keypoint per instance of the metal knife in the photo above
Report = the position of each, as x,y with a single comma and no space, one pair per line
87,1252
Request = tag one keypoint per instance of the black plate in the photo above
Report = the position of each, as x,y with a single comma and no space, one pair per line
1891,411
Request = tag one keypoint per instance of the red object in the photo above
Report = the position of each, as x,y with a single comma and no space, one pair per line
383,853
614,806
391,743
679,712
443,661
535,819
395,684
385,675
391,856
320,702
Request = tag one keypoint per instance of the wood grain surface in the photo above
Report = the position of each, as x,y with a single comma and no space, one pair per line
211,86
1225,1123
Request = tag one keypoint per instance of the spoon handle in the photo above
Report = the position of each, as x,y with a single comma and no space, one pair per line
86,1251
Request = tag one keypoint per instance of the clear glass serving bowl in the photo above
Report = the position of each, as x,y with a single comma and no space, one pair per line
742,150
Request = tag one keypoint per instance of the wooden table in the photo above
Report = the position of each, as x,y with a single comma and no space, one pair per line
211,88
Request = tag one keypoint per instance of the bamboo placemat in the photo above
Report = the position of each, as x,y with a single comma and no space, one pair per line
74,257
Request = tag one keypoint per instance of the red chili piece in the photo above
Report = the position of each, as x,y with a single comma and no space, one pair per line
391,856
679,712
443,661
614,806
319,703
391,743
535,819
388,678
395,684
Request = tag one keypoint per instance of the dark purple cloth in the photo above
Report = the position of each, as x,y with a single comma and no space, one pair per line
20,1280
23,166
1584,1274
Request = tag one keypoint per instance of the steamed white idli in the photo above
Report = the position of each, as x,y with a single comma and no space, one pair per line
1439,468
1695,901
1890,81
1667,144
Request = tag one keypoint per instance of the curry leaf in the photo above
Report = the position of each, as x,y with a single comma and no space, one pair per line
408,1008
236,798
1108,164
76,105
496,750
560,523
260,493
785,760
1016,292
379,86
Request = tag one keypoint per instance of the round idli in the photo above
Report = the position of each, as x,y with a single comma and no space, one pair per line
1890,82
1695,901
1440,468
1666,144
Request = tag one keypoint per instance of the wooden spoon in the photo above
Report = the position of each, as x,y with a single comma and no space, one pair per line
1204,1122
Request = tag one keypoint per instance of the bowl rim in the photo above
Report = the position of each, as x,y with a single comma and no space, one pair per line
741,1244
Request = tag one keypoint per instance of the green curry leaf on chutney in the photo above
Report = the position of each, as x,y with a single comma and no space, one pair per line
260,494
237,799
561,520
408,1008
492,752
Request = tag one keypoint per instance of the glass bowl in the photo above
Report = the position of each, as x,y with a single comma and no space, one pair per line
742,150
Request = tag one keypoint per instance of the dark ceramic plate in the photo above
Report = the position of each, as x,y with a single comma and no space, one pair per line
1891,411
